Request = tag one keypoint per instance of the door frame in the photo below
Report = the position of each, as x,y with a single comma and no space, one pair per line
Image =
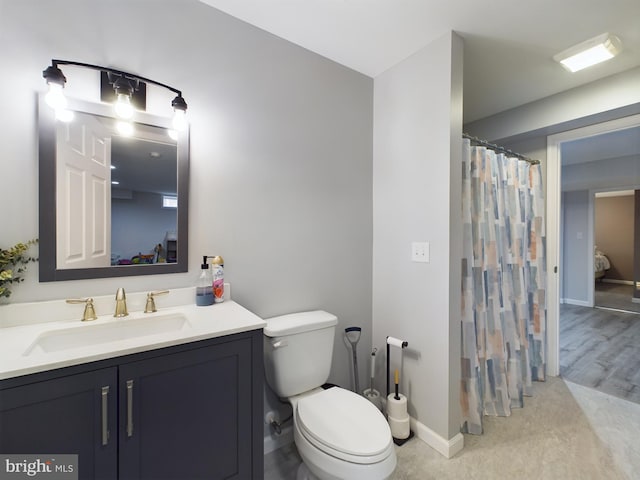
554,197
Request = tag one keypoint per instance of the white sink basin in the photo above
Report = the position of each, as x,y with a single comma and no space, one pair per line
88,334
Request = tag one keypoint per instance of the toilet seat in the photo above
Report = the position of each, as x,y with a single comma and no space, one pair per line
344,425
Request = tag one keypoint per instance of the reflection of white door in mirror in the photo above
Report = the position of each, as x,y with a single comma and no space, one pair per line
83,187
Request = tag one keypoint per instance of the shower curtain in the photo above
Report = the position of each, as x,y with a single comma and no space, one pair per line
503,284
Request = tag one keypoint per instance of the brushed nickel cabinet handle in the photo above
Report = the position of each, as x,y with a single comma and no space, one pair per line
129,408
105,416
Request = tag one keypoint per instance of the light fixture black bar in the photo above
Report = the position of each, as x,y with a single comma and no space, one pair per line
56,62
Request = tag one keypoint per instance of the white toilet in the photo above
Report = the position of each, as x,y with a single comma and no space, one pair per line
339,434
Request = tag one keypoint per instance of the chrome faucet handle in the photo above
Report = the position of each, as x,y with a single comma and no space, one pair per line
89,311
150,307
121,304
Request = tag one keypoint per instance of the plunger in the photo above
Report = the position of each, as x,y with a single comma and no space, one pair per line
353,335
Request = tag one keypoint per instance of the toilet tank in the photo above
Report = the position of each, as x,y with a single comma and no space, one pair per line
297,351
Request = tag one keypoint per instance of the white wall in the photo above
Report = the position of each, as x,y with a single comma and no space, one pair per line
281,149
575,250
416,197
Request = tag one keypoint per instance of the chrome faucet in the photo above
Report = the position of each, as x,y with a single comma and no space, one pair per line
121,304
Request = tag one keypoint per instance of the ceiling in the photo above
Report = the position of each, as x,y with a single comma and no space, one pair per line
509,44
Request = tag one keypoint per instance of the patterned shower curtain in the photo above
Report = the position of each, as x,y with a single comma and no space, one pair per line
503,284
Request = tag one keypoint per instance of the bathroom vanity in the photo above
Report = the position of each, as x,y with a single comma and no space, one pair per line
185,403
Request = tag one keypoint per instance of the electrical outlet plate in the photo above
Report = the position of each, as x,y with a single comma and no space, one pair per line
420,252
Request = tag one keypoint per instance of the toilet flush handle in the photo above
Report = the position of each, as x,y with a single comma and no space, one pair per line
279,343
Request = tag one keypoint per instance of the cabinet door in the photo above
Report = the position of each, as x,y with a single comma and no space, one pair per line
187,415
69,415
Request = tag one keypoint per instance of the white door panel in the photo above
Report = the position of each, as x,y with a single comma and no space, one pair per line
83,186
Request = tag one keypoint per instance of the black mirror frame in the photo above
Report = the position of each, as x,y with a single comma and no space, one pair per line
47,199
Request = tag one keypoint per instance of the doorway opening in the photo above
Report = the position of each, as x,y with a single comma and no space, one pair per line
555,218
614,237
572,184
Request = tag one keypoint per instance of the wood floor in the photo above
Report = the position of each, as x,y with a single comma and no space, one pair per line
601,349
615,295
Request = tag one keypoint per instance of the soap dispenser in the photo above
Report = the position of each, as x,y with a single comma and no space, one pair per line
218,278
204,287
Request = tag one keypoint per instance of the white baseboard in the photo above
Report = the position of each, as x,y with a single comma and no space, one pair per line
580,303
446,448
621,282
274,442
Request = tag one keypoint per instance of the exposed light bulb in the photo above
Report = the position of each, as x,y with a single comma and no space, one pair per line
55,97
179,120
123,107
64,115
173,135
124,128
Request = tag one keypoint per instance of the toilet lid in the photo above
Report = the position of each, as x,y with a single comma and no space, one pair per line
345,422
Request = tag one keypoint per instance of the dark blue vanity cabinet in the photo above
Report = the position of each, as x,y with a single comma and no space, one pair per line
191,411
64,415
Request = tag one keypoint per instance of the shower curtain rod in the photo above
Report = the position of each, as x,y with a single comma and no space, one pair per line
500,149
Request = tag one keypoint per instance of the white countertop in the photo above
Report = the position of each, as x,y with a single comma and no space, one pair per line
17,358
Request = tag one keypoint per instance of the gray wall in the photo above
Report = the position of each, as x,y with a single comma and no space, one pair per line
584,179
417,131
525,130
606,174
636,252
608,98
139,224
281,149
575,247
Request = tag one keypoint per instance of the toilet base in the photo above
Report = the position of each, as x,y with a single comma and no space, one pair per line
304,473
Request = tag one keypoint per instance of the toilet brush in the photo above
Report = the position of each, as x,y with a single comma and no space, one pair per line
353,335
371,393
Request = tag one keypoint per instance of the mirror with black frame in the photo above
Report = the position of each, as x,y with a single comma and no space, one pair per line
112,204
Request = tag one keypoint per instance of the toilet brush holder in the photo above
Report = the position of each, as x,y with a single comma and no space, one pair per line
374,397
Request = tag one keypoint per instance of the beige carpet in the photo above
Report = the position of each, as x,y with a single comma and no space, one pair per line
550,438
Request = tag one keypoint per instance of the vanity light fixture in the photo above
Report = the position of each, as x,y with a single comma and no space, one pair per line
590,52
125,86
125,128
124,90
55,97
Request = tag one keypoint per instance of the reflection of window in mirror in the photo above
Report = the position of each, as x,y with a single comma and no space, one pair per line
170,201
